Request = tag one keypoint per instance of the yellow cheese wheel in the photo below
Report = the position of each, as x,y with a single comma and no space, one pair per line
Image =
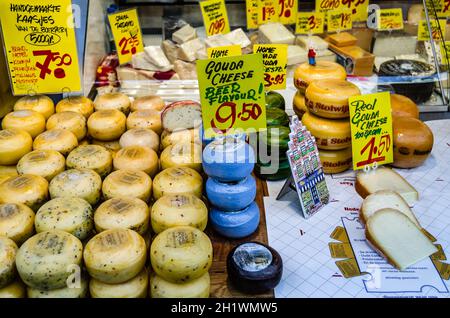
305,73
60,140
137,158
147,102
40,103
112,146
6,172
16,222
44,163
182,155
336,161
146,118
14,290
140,137
47,259
115,256
77,289
78,104
177,180
92,157
8,251
106,125
127,183
178,209
14,144
329,98
181,254
28,120
330,134
186,135
71,121
72,215
196,288
122,213
299,105
80,183
402,106
117,101
136,287
28,189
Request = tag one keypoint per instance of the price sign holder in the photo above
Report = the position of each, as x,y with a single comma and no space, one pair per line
389,19
275,64
215,17
339,20
310,23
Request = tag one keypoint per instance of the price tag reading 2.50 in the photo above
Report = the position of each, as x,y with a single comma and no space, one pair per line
275,64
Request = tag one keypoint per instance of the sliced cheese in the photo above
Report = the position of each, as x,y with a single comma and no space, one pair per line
134,288
44,163
14,144
118,101
306,73
92,157
16,222
275,33
171,50
78,289
127,183
14,290
107,125
78,104
71,121
60,140
186,154
8,251
30,121
336,161
140,137
40,103
27,189
184,34
137,158
145,119
177,180
196,288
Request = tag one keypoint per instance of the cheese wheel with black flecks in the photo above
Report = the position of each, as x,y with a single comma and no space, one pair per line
147,102
182,155
77,289
137,287
27,189
78,104
40,103
30,121
115,100
140,137
112,146
44,163
8,251
184,135
16,222
306,73
60,140
137,158
71,121
184,114
177,180
92,157
14,144
127,183
106,125
16,289
147,119
196,288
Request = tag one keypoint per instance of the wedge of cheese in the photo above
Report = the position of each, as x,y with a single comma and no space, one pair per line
315,42
238,37
171,50
184,34
217,40
275,33
189,49
296,55
156,56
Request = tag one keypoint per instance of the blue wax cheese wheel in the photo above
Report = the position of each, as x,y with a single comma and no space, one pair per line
76,289
228,159
231,196
237,224
196,288
8,252
205,141
254,267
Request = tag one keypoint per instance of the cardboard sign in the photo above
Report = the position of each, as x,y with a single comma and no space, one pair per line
127,34
40,46
251,7
423,34
275,64
287,11
267,11
310,23
232,94
358,8
339,20
390,19
371,127
224,51
215,17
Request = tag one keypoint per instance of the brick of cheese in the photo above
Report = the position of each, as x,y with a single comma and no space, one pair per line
275,33
184,34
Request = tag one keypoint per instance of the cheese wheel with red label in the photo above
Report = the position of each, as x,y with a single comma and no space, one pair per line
78,104
336,161
305,73
71,121
30,121
14,144
40,103
107,125
330,134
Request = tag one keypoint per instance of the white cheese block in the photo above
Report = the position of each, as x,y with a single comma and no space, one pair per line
40,103
60,140
140,137
184,135
8,251
115,256
118,101
392,45
30,121
187,71
275,33
146,119
177,180
92,157
188,49
157,57
14,143
14,290
296,55
171,50
127,183
16,222
217,40
238,37
141,61
180,115
71,121
182,154
107,125
75,290
137,158
46,260
184,34
44,163
27,189
196,288
134,288
307,42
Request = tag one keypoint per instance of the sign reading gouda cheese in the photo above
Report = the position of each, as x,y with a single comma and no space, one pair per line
310,23
358,8
40,46
215,17
224,51
389,19
275,64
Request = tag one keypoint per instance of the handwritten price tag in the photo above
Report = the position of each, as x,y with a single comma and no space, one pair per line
423,34
267,11
390,19
445,4
224,51
310,23
127,34
232,94
275,65
339,20
287,11
371,127
215,17
445,52
358,8
252,8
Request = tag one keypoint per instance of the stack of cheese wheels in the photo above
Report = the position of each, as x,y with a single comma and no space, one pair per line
328,121
305,74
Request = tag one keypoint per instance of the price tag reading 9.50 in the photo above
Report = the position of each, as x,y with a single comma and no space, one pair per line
227,113
275,64
310,23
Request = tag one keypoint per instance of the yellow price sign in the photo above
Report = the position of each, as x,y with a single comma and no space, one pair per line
287,11
339,20
390,19
445,4
310,23
215,17
251,7
371,129
40,46
358,8
232,94
445,52
224,51
267,11
437,26
275,64
127,34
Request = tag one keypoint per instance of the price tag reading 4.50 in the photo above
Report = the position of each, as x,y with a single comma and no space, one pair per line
339,20
232,94
310,23
275,64
215,17
371,128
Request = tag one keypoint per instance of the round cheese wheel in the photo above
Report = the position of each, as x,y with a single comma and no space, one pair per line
181,254
71,121
185,135
140,137
78,104
44,163
127,183
146,118
14,144
92,157
196,288
115,256
178,209
60,140
16,222
72,215
336,161
80,183
44,261
106,125
182,155
77,290
299,105
232,196
413,142
147,102
177,180
14,290
329,98
8,251
305,73
40,103
136,287
403,106
6,172
28,120
112,146
329,134
117,101
137,158
122,213
28,189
